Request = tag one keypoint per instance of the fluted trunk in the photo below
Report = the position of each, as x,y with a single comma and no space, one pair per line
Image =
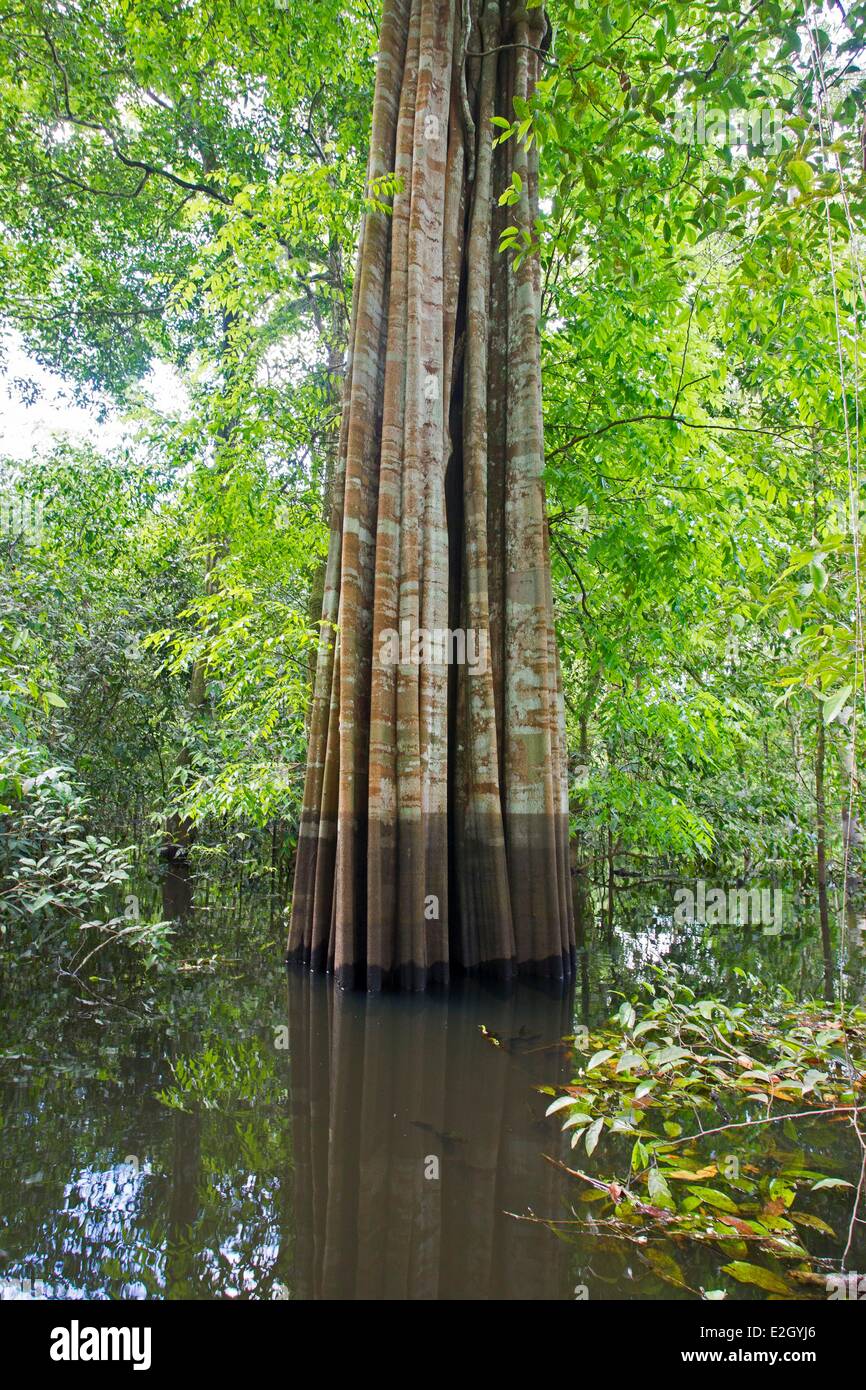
434,836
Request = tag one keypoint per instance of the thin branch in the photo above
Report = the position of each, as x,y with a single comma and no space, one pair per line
674,420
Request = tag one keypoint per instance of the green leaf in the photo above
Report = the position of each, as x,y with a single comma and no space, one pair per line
834,703
801,173
626,1015
630,1061
669,1054
658,1189
560,1104
755,1274
581,1118
666,1267
714,1198
598,1057
41,901
811,1079
645,1027
812,1223
593,1134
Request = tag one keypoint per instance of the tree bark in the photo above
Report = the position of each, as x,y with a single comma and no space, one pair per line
821,855
434,835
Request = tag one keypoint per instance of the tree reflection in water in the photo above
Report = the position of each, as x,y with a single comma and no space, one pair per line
414,1137
157,1154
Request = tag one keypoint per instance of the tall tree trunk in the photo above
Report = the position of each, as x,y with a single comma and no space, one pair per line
821,855
333,333
434,835
852,830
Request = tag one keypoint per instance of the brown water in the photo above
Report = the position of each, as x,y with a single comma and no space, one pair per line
229,1131
330,1145
416,1136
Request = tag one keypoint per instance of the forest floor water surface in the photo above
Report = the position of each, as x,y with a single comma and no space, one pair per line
234,1131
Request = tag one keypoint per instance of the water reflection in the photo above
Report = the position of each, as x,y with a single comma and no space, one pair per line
415,1135
188,1144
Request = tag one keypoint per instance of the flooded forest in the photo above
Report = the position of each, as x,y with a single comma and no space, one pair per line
432,675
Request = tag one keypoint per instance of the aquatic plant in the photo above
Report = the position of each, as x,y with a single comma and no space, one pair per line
701,1118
